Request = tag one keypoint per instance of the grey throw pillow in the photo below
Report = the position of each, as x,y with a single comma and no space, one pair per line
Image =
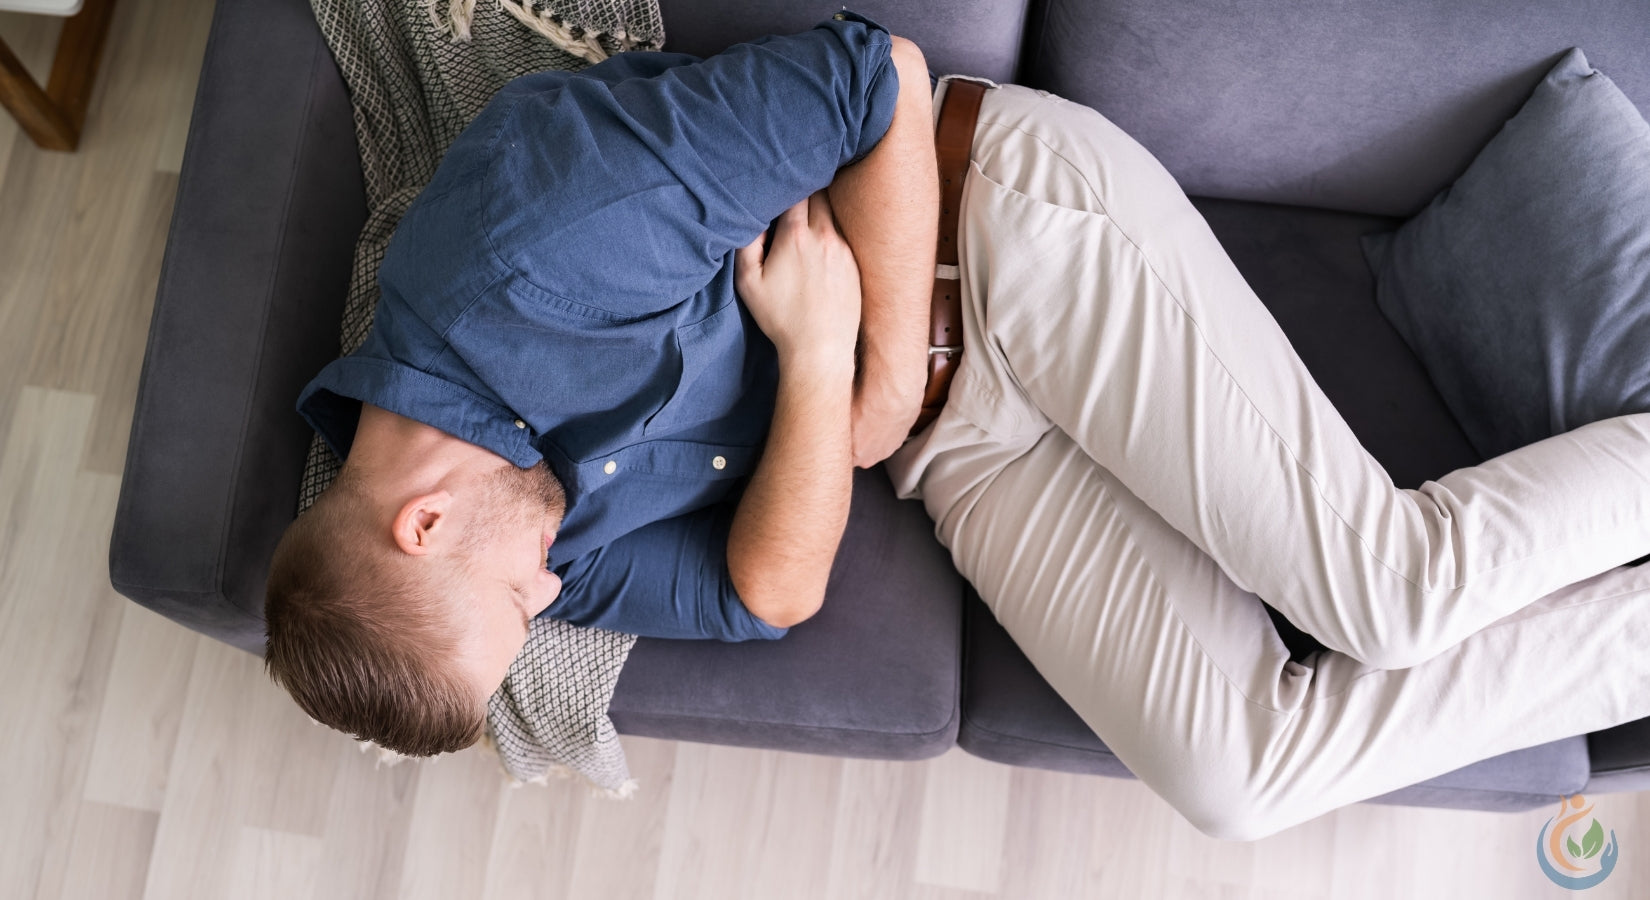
1525,287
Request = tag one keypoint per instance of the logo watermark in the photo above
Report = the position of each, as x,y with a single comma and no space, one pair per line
1570,863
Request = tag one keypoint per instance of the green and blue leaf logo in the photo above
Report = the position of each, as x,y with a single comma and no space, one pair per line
1569,863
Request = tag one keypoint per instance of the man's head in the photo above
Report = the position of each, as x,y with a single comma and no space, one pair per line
394,614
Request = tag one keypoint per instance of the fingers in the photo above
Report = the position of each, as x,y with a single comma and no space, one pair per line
812,213
749,256
747,262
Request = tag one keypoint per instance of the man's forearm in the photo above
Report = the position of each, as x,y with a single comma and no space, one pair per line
887,205
791,517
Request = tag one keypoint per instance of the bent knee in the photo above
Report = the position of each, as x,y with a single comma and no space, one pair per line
1236,826
1232,801
1233,814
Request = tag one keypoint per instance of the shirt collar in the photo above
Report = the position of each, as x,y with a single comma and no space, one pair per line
331,405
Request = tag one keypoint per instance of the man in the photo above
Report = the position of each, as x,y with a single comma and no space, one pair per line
559,335
1130,448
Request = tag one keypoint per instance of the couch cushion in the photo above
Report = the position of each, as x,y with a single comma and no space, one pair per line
1522,287
1306,265
976,37
876,673
1358,106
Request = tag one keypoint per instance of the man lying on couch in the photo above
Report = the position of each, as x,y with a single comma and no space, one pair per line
585,339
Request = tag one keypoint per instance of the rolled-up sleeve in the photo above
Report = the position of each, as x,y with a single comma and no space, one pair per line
664,164
669,580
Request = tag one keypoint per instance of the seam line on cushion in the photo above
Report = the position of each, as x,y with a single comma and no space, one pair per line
233,499
973,724
186,178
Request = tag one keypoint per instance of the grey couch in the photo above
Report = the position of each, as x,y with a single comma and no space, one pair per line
1297,125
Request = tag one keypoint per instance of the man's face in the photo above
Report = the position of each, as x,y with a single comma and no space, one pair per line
508,539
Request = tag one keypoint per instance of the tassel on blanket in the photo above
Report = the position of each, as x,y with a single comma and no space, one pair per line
584,46
624,791
579,41
455,21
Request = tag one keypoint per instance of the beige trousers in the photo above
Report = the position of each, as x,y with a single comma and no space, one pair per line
1132,455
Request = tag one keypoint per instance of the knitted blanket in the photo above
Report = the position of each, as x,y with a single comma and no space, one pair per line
418,71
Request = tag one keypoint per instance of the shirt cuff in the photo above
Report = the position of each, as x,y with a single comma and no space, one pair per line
871,45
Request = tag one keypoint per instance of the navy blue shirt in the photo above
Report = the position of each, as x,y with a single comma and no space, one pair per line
563,290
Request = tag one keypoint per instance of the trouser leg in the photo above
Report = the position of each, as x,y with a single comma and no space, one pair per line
1181,673
1124,322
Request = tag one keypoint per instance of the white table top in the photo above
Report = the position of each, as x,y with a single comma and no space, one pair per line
44,7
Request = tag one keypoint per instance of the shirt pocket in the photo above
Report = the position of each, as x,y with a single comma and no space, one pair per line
715,355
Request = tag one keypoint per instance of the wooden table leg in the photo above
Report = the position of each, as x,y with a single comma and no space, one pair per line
52,117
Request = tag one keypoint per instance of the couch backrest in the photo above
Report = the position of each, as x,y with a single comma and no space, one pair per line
1362,105
981,37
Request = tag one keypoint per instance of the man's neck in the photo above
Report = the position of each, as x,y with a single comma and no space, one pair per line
401,454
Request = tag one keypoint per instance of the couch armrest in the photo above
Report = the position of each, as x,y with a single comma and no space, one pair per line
257,264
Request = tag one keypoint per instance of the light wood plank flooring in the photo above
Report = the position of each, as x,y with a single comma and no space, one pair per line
139,760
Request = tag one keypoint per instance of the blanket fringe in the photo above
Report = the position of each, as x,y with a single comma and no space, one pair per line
557,771
387,757
585,46
563,773
455,21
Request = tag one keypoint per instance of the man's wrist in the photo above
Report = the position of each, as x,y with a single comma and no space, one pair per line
824,364
894,382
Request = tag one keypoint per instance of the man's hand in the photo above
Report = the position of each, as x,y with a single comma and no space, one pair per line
804,294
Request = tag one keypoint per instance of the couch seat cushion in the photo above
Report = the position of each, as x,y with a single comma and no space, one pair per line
877,673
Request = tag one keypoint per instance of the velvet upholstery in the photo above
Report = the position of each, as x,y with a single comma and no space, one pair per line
1368,107
976,37
876,673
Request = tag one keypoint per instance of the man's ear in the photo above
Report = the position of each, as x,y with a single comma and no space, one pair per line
423,523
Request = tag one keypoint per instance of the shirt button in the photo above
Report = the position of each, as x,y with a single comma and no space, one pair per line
719,463
520,424
611,467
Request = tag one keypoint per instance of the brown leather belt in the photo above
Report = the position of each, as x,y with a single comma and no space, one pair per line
953,141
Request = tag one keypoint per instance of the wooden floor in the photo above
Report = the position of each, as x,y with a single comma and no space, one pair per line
139,760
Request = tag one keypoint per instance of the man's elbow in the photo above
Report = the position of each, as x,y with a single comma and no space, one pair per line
782,610
910,63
